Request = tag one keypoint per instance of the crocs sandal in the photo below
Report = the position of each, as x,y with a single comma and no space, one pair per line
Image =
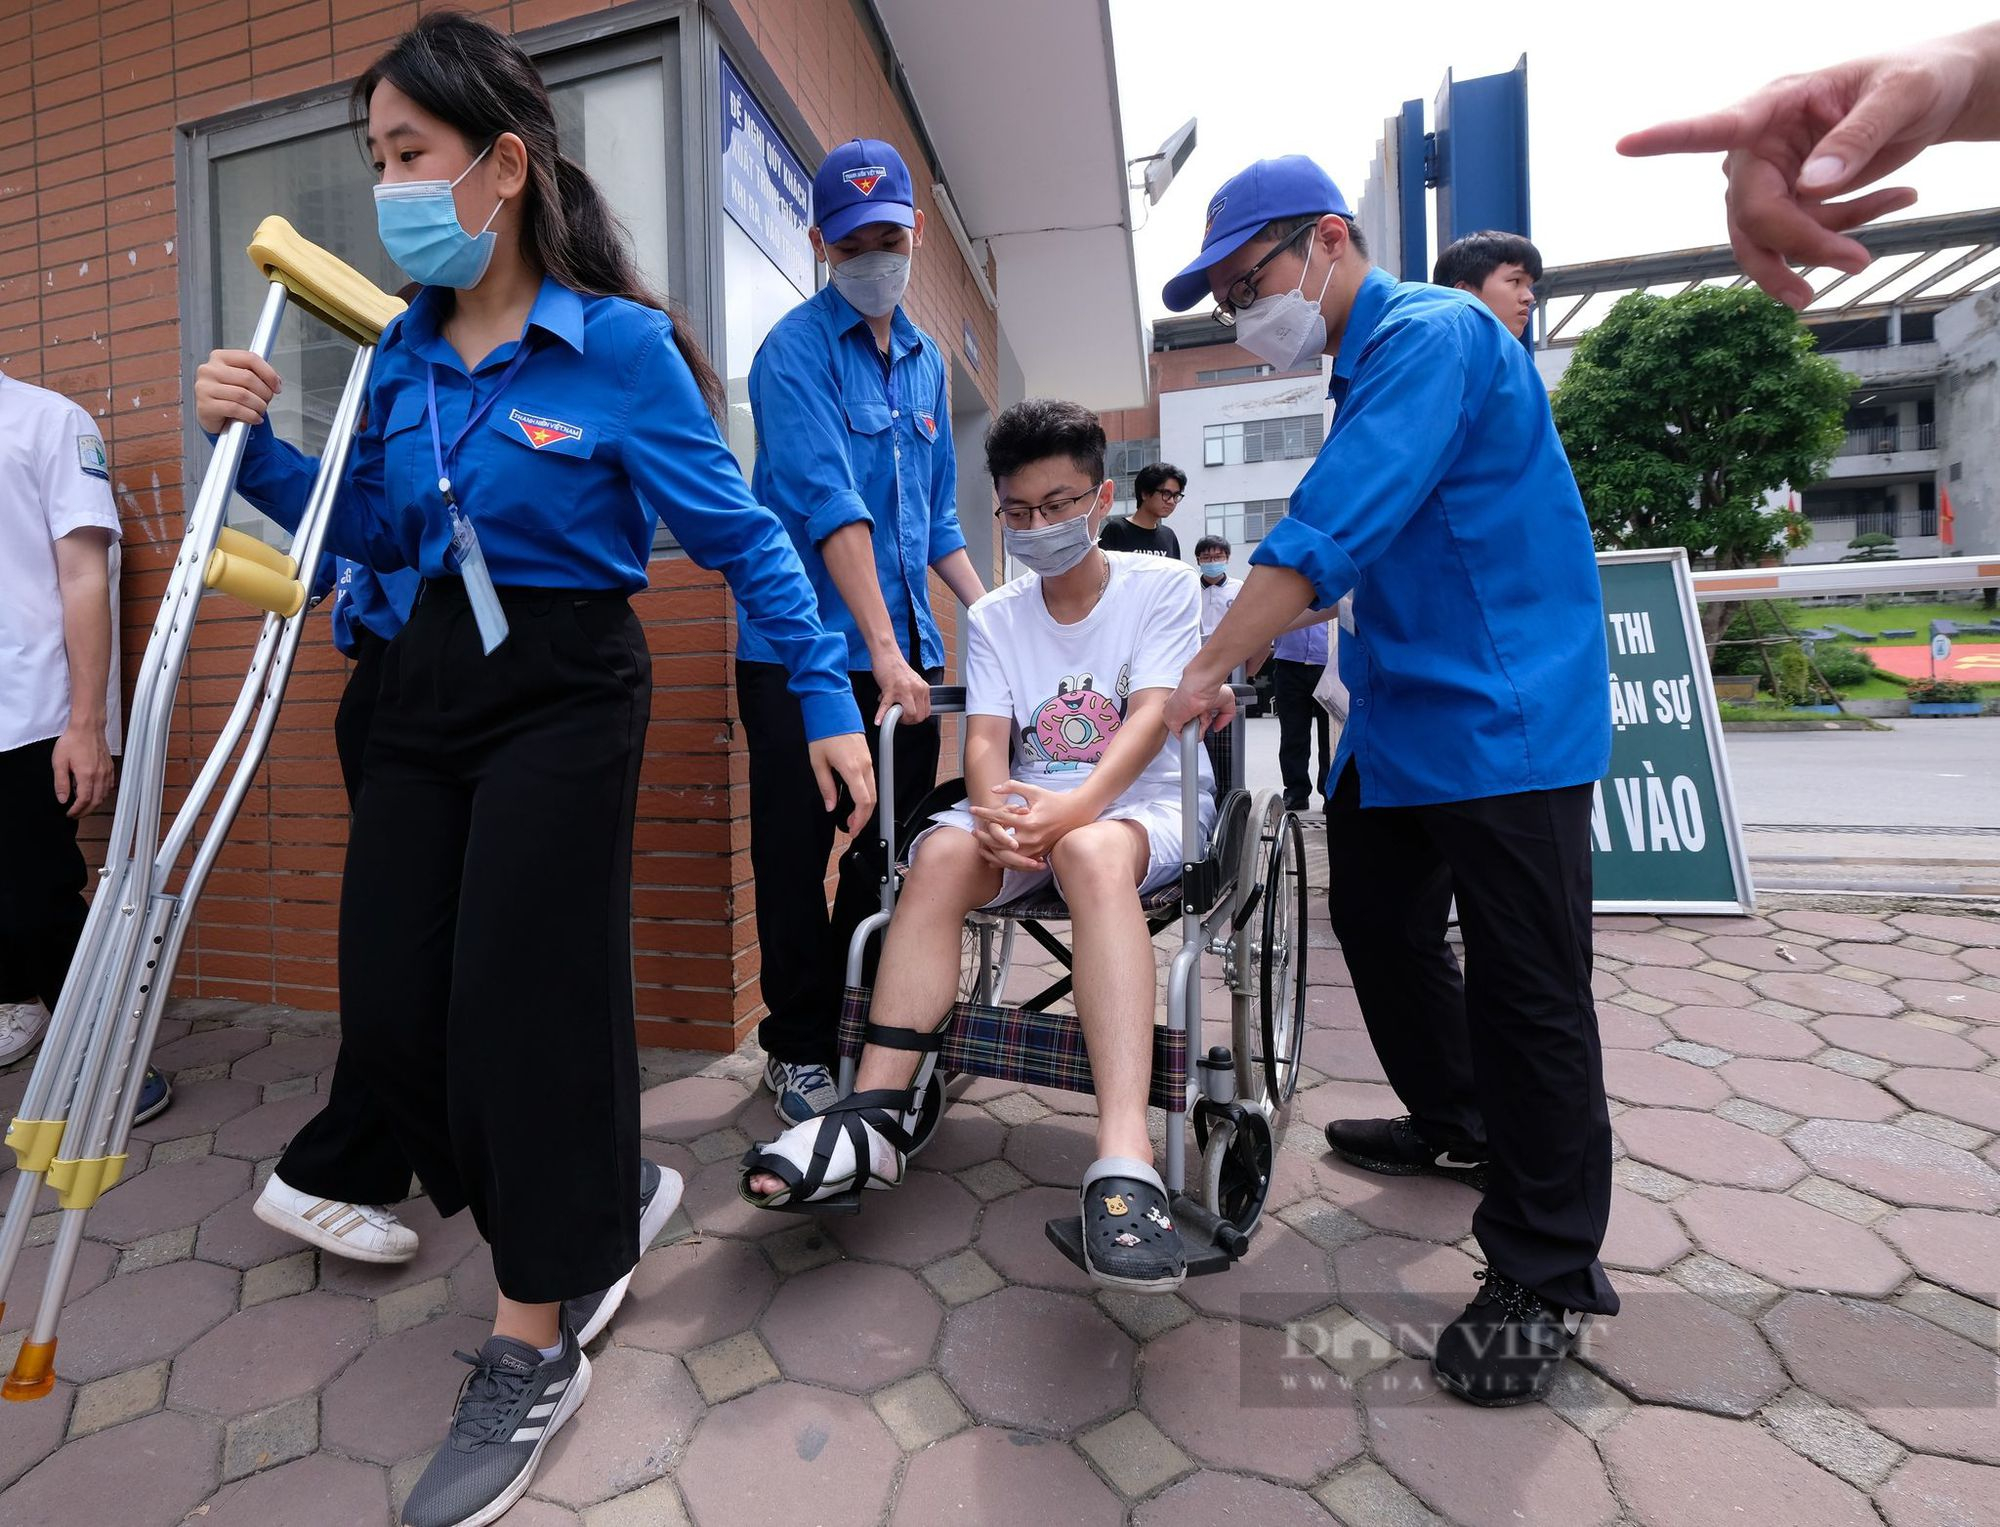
1129,1239
826,1161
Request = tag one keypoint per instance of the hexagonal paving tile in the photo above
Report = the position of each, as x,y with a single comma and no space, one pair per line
1344,1054
1950,928
1643,1236
270,1353
1036,1359
928,1217
693,1106
1283,1276
233,1236
1654,949
1642,1077
1760,953
1895,1164
1813,1091
641,1410
1012,1238
1193,1383
1407,1290
1898,1041
1429,1208
146,1473
964,1137
1744,1031
394,1401
1056,1150
692,1293
717,1208
1929,1389
1951,999
266,1130
755,1459
1205,1499
166,1198
852,1325
1971,1097
94,1262
200,1107
340,1490
1671,1347
32,1433
1788,1242
1821,993
1941,1492
1897,960
985,1477
1961,1251
1707,1149
1620,1028
1745,1475
441,1245
1836,925
142,1317
285,1058
1689,988
211,1047
1319,1106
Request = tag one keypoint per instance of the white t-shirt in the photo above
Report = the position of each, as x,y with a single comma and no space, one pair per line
1065,687
1216,598
54,478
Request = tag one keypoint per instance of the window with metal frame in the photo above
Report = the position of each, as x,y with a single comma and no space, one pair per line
1285,439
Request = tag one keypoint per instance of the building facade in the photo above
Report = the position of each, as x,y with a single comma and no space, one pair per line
143,142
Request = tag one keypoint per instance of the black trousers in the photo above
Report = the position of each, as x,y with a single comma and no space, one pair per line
1509,1055
485,926
803,948
347,1150
41,878
1299,717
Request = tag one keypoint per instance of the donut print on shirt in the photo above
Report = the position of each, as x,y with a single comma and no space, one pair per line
1076,724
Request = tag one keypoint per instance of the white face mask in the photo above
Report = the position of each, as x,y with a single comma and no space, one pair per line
874,282
1287,330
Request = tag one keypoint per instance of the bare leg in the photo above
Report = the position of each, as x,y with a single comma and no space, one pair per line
535,1324
1100,867
917,980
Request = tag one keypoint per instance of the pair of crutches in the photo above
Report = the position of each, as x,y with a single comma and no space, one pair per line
70,1132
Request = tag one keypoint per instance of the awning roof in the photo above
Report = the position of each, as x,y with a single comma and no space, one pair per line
1021,105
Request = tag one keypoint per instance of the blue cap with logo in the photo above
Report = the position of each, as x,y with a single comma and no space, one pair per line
1270,189
863,181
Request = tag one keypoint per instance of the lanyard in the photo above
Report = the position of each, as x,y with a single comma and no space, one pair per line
443,453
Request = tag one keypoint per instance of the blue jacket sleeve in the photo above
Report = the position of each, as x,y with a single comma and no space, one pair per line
1393,437
682,471
802,434
946,534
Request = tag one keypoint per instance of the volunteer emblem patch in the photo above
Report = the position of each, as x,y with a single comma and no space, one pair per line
866,178
928,424
540,431
90,457
1214,211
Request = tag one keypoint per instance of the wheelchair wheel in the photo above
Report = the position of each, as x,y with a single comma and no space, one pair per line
1236,1162
1282,961
1000,965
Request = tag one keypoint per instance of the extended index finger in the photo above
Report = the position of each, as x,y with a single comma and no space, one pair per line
1714,133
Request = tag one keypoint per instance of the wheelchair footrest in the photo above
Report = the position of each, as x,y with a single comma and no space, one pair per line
1209,1242
837,1203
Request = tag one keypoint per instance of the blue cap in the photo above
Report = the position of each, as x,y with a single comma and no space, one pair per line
863,181
1270,189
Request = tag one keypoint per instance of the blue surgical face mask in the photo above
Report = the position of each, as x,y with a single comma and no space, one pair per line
418,221
1214,572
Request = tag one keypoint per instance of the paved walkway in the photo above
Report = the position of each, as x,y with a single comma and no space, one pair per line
1804,1229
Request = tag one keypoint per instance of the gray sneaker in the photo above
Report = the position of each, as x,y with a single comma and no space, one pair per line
659,1196
509,1407
803,1090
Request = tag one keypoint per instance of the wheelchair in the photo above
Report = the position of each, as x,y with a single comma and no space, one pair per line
1241,897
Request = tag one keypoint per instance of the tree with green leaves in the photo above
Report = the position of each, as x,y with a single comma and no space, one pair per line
1680,414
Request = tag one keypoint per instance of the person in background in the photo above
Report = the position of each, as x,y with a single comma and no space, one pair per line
59,701
852,406
1500,269
1159,489
1218,593
1298,659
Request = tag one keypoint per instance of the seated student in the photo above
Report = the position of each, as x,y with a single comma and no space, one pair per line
1500,269
1071,778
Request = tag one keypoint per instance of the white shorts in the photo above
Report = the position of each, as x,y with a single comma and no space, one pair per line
1161,820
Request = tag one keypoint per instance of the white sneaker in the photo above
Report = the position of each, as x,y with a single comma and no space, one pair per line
359,1232
21,1027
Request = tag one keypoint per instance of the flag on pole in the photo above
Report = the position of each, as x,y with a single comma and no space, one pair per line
1947,531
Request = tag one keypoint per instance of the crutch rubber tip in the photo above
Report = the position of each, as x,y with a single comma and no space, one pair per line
34,1372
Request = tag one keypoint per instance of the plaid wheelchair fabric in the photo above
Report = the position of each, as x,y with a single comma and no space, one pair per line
1041,1049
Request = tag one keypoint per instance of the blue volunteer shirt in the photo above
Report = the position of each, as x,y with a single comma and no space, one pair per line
1306,646
366,599
844,440
1442,498
600,434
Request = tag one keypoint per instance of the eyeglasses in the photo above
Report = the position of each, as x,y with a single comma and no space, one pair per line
1021,516
1169,495
1243,291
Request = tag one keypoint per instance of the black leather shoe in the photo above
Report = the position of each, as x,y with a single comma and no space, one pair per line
1397,1148
1505,1348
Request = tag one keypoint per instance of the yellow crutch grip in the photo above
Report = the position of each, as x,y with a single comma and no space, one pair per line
34,1142
237,544
325,285
34,1372
254,583
81,1182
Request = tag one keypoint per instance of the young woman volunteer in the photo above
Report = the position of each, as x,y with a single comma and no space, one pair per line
529,419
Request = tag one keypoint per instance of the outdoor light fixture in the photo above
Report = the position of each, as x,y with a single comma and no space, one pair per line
1163,166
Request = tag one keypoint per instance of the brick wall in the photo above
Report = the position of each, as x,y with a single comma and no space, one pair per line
90,97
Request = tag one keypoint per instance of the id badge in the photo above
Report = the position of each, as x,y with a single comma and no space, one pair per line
470,562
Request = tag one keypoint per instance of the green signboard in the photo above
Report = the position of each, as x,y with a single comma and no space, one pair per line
1664,834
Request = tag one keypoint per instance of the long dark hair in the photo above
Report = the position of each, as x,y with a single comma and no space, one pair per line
464,73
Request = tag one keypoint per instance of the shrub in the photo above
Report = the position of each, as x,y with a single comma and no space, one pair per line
1844,667
1941,692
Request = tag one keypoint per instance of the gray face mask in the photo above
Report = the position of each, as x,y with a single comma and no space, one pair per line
874,282
1050,550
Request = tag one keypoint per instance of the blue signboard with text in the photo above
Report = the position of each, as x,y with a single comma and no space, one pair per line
764,186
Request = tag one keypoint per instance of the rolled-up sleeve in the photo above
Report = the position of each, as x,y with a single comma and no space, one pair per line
802,435
947,536
1392,438
682,471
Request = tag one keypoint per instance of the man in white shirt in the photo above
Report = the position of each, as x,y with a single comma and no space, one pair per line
1218,589
1072,778
59,703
